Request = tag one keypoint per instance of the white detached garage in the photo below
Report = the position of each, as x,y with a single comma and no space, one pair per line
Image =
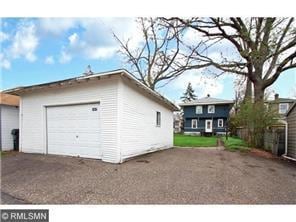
109,116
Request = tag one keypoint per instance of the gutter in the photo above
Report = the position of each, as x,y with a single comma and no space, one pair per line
286,137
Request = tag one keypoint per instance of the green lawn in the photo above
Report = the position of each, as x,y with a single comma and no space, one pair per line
235,144
194,141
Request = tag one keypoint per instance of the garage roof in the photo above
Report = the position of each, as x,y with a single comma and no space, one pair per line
122,72
11,100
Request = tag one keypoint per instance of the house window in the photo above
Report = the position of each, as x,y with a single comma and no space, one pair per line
220,122
194,123
158,118
283,108
198,110
211,109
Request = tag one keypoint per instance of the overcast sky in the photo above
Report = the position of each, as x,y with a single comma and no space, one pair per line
41,50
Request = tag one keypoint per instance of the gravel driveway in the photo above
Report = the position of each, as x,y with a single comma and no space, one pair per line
175,176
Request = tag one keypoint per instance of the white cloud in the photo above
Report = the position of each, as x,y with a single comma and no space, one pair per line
49,60
24,42
202,84
101,52
125,29
56,26
73,39
3,36
65,57
4,62
94,37
215,49
192,37
78,46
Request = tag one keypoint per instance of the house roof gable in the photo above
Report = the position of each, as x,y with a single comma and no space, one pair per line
207,101
122,72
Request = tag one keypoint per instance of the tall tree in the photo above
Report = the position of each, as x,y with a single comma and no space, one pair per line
189,94
266,47
160,58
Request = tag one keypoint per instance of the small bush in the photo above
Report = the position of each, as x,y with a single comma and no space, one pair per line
234,143
255,118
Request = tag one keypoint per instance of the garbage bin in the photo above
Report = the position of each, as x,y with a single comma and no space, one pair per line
15,135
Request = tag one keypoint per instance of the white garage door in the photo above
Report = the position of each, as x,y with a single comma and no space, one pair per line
74,130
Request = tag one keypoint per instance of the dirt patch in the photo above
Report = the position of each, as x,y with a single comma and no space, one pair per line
219,142
262,153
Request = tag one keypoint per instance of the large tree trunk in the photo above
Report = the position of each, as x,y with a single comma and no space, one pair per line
248,92
258,133
259,93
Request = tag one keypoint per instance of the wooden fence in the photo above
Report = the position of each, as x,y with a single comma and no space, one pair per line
274,139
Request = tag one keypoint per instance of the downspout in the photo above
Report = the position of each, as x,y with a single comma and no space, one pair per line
286,138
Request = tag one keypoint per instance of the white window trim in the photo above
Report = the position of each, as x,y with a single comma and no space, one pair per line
287,105
196,110
193,120
213,109
222,123
158,124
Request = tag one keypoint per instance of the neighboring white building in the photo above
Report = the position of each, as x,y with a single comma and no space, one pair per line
9,119
109,116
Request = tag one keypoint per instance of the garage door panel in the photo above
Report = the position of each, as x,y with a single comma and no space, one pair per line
74,130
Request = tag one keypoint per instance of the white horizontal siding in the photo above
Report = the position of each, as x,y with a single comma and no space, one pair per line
33,130
138,131
9,121
128,117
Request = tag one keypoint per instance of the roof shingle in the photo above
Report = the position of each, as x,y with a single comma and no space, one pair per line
207,101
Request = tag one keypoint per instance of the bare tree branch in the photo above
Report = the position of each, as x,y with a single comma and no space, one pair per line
165,58
266,46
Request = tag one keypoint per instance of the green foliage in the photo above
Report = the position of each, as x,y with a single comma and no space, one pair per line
233,144
194,141
189,94
255,118
232,125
